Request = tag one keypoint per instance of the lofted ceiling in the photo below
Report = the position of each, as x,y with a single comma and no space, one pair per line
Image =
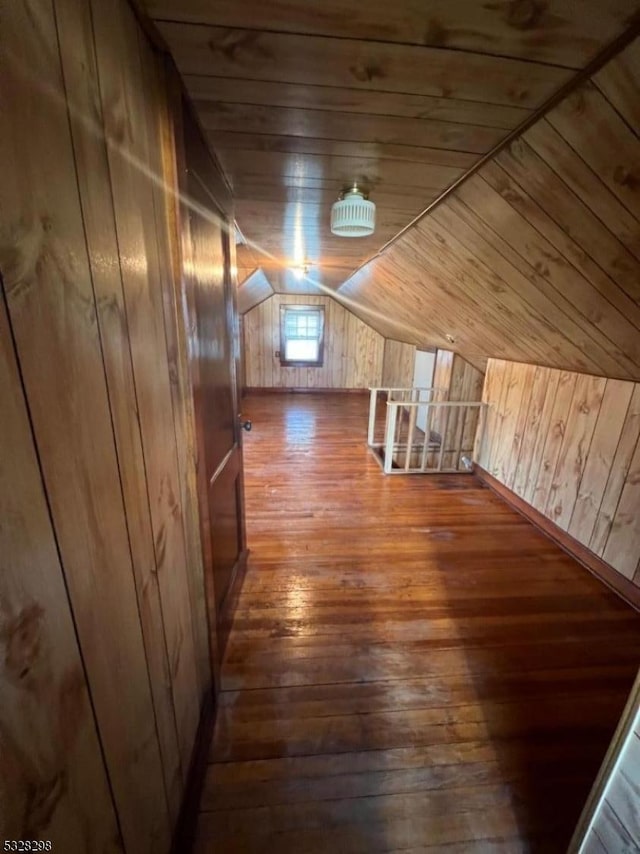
536,256
299,99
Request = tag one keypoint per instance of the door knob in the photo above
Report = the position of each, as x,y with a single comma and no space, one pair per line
246,425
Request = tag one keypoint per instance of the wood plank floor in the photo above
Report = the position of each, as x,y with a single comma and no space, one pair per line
412,667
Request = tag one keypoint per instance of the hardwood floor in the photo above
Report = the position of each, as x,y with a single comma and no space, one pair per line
412,667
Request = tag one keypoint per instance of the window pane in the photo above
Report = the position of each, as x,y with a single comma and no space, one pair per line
301,351
299,324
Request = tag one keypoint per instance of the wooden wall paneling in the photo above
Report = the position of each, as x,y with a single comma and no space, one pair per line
472,419
529,430
559,35
53,314
585,183
81,83
271,331
611,149
266,325
623,544
253,290
487,416
509,410
497,391
251,329
538,448
259,339
453,434
398,363
510,465
121,68
243,367
606,437
459,381
442,373
584,455
487,394
443,369
376,352
576,444
588,240
204,252
182,125
353,351
164,127
617,475
210,285
54,784
340,344
553,440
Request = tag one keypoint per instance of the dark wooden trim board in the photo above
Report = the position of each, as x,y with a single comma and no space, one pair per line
185,832
625,588
303,390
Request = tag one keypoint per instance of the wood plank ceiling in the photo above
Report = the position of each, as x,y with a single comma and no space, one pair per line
535,257
300,99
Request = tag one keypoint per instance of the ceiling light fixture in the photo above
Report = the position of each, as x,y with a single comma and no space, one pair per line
300,271
353,215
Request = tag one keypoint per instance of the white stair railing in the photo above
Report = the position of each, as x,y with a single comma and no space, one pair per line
424,433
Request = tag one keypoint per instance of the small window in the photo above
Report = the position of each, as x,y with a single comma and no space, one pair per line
301,336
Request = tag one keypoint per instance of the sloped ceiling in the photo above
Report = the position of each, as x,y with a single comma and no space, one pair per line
300,98
255,289
535,257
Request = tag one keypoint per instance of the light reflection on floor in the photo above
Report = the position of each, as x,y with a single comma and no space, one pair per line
300,424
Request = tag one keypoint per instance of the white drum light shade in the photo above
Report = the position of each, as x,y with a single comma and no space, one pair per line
353,215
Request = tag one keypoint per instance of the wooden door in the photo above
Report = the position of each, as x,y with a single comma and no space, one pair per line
214,343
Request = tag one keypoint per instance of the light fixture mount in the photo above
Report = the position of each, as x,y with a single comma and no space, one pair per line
353,215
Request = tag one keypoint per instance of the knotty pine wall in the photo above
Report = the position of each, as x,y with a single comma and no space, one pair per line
397,364
103,636
353,351
459,380
568,444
